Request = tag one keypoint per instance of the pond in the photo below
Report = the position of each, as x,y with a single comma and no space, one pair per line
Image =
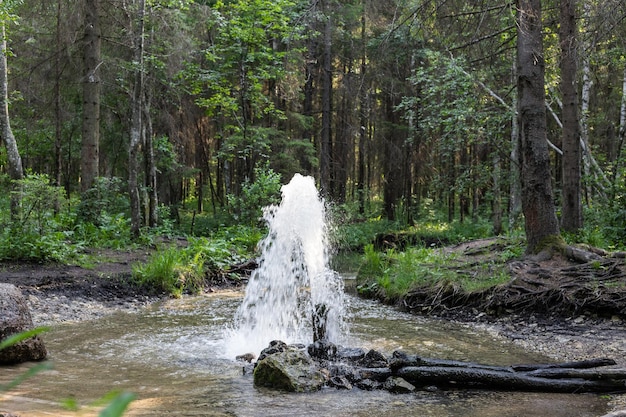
172,356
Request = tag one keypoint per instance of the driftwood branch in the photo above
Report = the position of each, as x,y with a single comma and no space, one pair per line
572,377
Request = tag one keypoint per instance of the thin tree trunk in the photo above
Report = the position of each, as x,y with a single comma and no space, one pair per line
362,120
571,205
13,155
585,97
89,161
136,124
57,104
327,86
620,137
151,171
537,197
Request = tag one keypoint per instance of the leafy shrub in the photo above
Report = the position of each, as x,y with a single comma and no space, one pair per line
178,270
106,199
263,191
39,231
170,270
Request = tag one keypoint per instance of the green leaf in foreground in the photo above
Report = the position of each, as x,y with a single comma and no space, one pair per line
119,404
31,372
16,338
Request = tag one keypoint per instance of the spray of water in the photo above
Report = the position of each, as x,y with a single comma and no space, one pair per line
293,276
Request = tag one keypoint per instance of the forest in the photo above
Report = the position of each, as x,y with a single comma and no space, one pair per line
125,116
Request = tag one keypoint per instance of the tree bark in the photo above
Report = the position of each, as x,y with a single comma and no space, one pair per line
571,205
360,178
503,379
327,88
136,124
537,197
13,155
89,162
579,376
150,168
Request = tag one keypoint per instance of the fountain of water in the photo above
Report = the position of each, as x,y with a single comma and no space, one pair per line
293,276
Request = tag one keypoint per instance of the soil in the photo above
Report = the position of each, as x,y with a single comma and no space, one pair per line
565,309
64,293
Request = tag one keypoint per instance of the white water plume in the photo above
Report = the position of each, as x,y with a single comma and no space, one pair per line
292,277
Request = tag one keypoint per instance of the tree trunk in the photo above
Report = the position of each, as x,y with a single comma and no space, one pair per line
621,137
327,87
150,170
585,97
571,205
537,197
363,120
89,162
57,104
570,377
13,155
515,193
136,124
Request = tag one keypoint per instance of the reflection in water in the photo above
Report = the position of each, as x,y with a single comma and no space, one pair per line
172,356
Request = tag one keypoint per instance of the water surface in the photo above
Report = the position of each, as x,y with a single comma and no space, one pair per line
172,355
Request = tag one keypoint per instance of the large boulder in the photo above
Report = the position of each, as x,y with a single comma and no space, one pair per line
15,318
290,370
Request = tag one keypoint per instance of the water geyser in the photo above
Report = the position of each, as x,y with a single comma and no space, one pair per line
293,276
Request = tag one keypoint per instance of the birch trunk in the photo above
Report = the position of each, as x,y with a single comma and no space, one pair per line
621,135
13,156
136,125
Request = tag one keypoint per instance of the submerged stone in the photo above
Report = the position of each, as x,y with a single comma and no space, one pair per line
290,370
398,385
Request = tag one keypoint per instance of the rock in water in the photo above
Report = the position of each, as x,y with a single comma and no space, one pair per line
398,385
15,318
291,370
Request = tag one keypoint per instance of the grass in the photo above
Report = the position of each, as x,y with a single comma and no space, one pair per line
393,274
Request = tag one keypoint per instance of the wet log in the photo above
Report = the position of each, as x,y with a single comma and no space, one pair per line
375,374
586,364
401,359
493,379
592,374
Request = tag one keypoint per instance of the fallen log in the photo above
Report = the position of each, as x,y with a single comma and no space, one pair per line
492,379
586,364
592,374
400,359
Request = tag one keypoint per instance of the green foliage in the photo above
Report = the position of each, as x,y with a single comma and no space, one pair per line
118,405
16,338
40,233
171,270
605,226
263,191
355,236
394,274
39,203
178,270
106,199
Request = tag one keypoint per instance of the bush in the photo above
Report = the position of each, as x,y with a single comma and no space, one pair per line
106,199
263,191
179,270
170,270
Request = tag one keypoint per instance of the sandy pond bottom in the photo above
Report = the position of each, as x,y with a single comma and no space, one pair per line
172,356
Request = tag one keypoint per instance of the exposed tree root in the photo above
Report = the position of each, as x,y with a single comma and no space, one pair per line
581,281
